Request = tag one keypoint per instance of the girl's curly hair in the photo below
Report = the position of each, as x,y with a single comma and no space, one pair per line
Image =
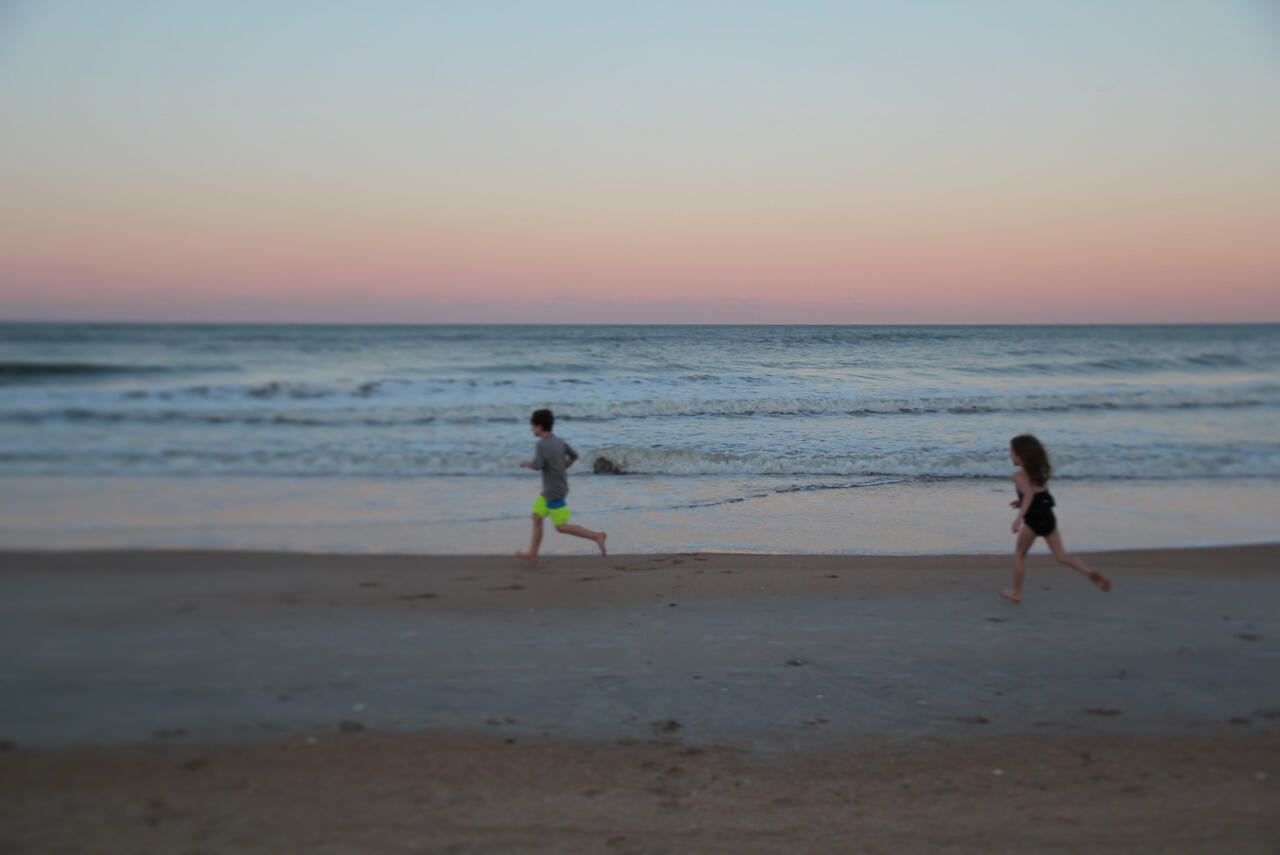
1035,460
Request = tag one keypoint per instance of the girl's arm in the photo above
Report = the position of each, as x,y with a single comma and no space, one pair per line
1023,483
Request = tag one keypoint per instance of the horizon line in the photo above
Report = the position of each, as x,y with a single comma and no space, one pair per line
230,323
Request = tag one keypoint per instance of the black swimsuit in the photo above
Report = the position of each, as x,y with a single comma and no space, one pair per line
1039,517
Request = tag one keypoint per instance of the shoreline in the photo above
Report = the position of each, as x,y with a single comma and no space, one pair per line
643,515
1038,549
1146,555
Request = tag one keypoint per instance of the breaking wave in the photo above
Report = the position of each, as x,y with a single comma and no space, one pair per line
131,409
40,372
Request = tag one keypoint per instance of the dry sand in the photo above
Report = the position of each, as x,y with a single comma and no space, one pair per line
194,702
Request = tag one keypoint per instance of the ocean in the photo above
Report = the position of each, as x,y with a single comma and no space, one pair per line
878,439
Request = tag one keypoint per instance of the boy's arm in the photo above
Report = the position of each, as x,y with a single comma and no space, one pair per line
538,460
570,454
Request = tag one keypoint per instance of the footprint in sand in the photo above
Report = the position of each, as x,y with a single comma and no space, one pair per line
506,588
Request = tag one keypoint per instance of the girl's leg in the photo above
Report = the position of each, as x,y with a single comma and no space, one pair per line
1055,543
1025,538
535,542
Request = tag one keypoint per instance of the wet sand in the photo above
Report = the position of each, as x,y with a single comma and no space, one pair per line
255,702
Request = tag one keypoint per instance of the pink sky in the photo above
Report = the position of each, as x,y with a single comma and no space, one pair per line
912,265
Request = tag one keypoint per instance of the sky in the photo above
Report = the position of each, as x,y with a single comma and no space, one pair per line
917,161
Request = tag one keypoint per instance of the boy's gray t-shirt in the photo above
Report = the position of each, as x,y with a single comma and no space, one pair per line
551,455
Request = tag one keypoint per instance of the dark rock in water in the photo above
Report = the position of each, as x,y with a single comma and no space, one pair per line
605,466
349,726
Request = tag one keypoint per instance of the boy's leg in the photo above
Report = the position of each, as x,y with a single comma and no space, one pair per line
535,542
579,531
1025,538
1055,543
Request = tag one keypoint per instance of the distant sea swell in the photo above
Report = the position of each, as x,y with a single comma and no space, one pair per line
804,402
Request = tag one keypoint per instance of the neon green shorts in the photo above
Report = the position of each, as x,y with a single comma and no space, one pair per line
558,510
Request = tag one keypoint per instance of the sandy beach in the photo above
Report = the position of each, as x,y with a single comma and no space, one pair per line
170,701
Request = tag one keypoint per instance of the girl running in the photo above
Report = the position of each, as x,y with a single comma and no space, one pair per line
1035,514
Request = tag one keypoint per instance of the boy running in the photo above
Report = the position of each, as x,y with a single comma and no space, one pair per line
553,456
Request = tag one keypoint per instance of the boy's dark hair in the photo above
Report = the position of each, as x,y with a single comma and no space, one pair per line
543,419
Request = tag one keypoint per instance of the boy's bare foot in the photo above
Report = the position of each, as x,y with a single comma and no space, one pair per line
1010,595
531,557
1100,580
600,543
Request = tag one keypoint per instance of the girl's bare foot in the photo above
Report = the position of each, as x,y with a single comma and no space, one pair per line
1010,595
600,543
1100,580
531,557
